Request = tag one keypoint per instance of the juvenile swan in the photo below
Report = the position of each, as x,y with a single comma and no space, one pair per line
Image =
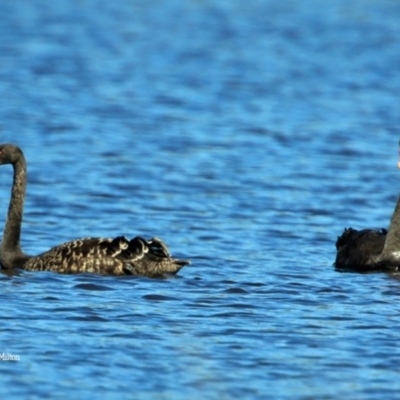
106,256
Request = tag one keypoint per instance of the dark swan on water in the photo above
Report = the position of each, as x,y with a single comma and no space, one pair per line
106,256
370,250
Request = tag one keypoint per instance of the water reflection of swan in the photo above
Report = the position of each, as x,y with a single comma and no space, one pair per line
107,256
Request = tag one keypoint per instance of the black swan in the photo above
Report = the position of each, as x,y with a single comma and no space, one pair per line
370,250
106,256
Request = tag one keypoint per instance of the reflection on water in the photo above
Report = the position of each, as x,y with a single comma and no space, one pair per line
245,136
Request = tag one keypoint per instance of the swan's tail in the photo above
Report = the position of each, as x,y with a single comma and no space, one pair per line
357,249
146,257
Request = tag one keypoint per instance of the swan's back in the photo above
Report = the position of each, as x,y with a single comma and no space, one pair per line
107,256
358,250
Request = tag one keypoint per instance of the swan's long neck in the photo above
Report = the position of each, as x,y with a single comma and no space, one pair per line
392,242
10,247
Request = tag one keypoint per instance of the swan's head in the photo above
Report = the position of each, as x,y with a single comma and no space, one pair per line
9,154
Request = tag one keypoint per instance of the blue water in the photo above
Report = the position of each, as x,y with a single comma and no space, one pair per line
246,135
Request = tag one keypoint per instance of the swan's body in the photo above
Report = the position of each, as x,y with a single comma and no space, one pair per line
370,250
117,256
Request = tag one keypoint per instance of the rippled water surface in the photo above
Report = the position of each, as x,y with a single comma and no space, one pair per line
247,135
